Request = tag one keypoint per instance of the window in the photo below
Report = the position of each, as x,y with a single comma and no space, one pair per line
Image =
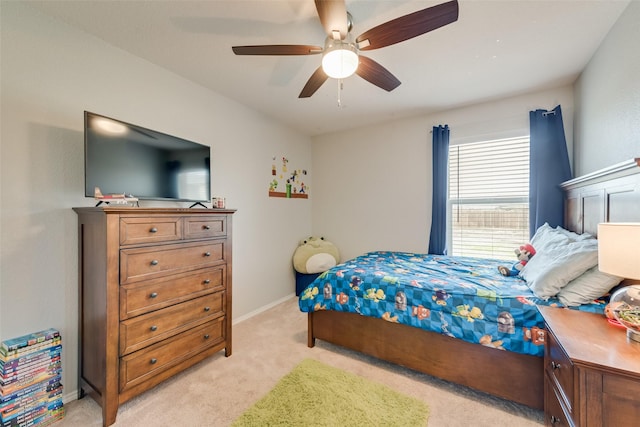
489,197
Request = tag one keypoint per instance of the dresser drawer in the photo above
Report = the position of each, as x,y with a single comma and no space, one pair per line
142,365
150,328
199,227
559,368
138,230
553,412
156,261
143,297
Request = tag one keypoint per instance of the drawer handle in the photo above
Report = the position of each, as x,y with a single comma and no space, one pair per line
153,361
206,227
154,328
206,337
207,254
555,365
207,281
154,262
153,294
554,419
153,230
207,308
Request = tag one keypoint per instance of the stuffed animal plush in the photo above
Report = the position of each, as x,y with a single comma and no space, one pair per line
524,254
315,255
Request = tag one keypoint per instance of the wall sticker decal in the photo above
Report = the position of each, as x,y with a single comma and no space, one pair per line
285,181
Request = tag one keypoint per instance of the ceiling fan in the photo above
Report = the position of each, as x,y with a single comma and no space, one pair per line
340,55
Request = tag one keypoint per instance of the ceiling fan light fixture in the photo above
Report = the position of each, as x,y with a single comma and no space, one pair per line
340,58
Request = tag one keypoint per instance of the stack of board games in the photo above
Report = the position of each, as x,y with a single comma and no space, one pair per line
30,380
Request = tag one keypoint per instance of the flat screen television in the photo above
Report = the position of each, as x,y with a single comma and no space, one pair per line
123,158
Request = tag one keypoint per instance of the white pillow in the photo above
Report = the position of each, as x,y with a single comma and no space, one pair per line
546,238
558,262
543,241
592,284
573,236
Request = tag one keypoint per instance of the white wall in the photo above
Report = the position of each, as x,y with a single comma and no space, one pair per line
372,186
608,98
51,73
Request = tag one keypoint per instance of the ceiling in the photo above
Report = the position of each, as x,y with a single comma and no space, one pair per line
495,49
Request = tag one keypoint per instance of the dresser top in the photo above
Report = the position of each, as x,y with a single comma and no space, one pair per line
589,339
149,211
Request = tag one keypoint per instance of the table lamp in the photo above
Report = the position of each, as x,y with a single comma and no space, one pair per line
619,254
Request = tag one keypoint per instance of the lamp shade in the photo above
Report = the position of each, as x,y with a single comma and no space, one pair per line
619,249
340,58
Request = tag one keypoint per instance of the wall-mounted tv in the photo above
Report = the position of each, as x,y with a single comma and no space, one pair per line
123,158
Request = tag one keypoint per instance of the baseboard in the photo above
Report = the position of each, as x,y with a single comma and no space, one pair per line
70,396
263,309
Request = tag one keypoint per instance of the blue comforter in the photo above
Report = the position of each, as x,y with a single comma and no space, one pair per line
462,297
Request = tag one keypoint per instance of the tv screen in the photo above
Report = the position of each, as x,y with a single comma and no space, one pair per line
123,158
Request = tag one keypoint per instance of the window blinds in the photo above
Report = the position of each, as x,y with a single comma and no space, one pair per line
489,197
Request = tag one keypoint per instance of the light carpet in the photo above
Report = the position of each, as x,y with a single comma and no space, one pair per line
314,394
267,347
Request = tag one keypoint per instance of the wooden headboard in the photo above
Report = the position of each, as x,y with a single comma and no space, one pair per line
608,195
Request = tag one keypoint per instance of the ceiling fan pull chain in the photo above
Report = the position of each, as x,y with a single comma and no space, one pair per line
339,93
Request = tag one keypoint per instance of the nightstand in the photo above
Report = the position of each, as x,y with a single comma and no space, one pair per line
592,372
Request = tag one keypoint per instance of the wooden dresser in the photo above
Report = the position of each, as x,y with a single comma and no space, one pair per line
592,372
155,297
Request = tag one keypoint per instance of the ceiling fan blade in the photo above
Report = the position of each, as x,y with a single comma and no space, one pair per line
376,74
313,84
409,26
333,17
277,49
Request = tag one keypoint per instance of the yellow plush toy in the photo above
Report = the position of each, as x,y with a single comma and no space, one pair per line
315,255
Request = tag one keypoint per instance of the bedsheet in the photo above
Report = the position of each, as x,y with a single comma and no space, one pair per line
462,297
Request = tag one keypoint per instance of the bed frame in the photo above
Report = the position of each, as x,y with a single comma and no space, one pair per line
611,194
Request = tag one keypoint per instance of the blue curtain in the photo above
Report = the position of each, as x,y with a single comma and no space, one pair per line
549,166
438,236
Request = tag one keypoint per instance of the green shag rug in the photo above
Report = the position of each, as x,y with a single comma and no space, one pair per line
314,394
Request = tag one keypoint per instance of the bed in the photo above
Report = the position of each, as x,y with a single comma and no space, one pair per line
467,330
